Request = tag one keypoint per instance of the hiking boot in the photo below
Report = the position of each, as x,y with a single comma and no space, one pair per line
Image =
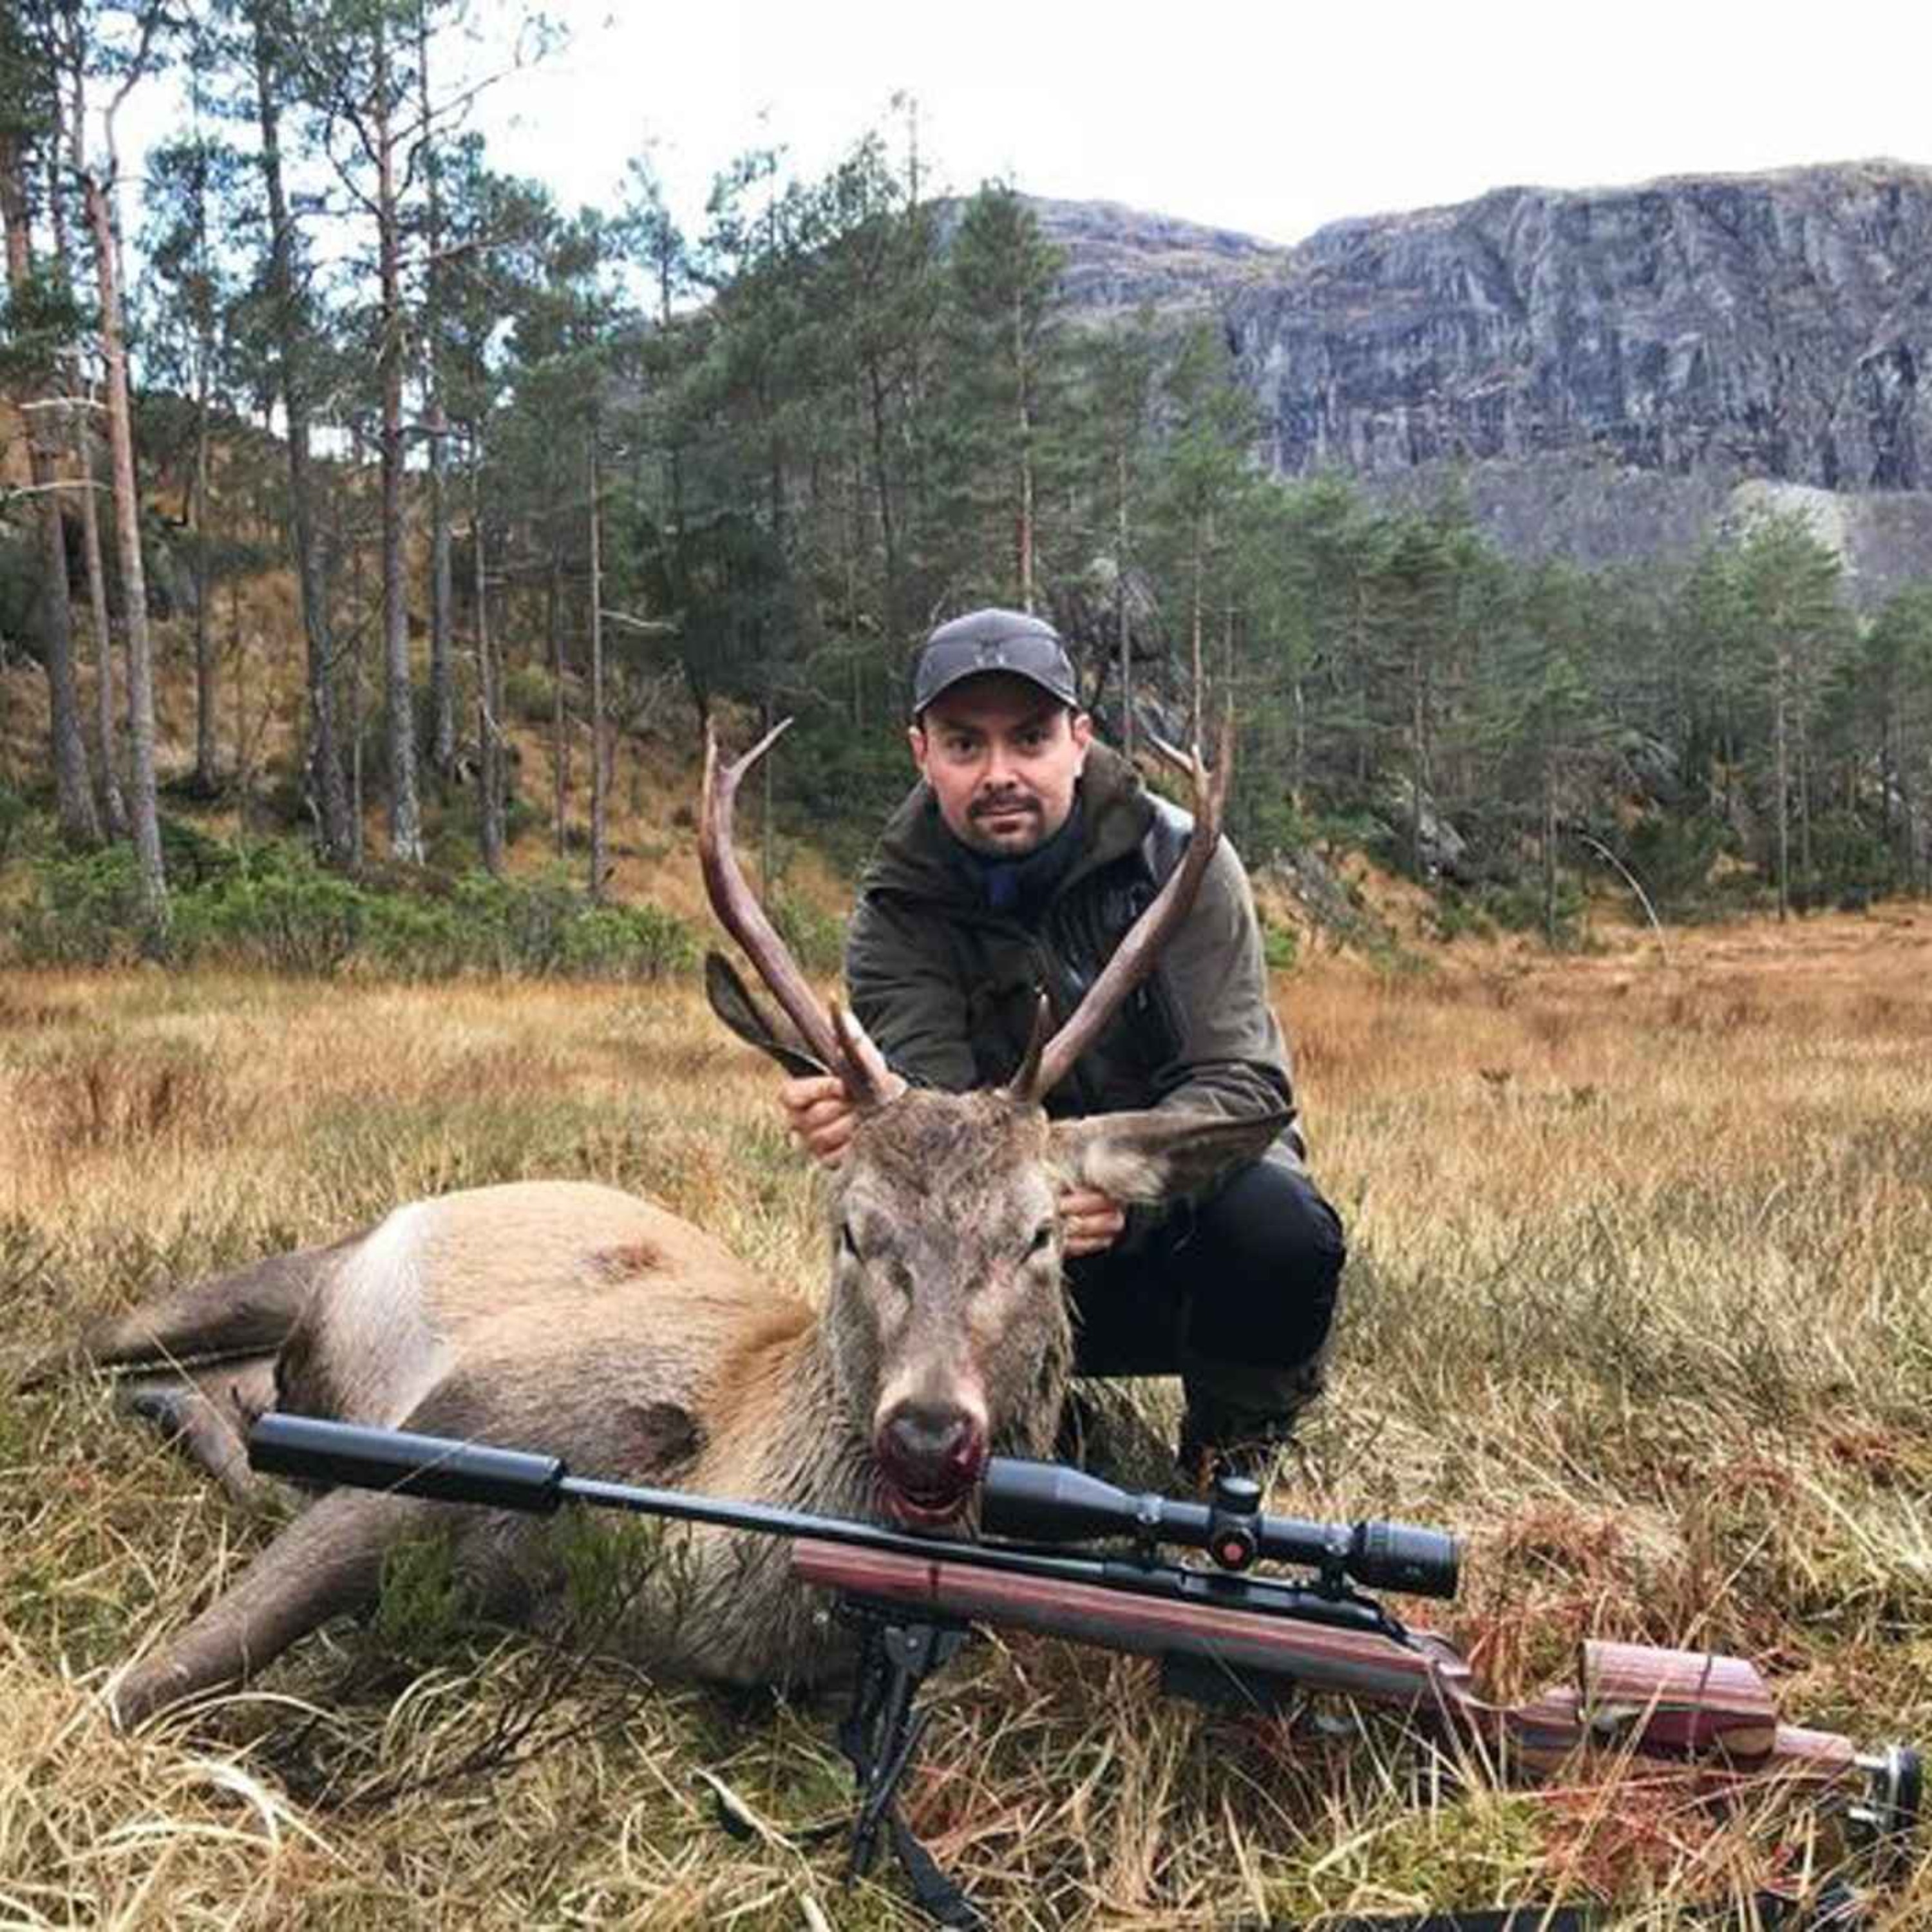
1217,1441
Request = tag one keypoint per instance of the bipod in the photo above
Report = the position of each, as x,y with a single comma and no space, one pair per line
879,1737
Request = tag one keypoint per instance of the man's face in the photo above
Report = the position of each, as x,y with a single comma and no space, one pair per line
1002,758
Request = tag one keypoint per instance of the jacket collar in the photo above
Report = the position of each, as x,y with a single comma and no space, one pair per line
915,852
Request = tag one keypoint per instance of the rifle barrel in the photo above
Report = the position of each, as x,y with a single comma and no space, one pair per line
443,1469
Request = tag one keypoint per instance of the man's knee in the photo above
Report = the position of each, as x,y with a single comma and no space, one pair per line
1268,1269
1277,1223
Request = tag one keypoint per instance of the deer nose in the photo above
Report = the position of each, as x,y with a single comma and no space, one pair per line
931,1448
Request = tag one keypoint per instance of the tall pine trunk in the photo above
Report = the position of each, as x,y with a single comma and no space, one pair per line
113,806
560,742
442,682
73,795
1781,779
1026,479
340,837
600,750
1124,620
406,840
144,804
206,774
490,753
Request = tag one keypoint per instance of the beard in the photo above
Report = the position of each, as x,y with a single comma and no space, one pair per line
1021,821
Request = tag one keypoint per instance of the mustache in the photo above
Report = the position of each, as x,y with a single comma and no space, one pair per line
1003,805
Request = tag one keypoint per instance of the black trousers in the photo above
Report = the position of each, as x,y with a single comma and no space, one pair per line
1237,1290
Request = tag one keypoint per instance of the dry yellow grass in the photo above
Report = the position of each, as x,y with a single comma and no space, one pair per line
1636,1302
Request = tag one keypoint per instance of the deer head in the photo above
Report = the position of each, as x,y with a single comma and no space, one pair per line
946,1323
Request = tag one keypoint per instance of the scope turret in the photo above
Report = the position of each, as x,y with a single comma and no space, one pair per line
1047,1502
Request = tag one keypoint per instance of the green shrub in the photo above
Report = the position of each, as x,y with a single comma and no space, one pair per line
816,938
1281,946
13,820
1455,915
627,942
269,906
530,693
1673,857
1519,907
306,921
85,911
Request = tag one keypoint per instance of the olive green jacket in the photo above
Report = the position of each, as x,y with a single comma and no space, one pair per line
947,987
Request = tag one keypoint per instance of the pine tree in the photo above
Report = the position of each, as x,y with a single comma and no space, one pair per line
38,323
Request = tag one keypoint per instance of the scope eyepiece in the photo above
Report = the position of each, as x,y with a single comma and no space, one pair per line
1047,1502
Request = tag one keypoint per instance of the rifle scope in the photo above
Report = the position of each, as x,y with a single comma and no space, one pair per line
1046,1502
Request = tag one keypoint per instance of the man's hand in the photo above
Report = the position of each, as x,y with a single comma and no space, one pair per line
820,1111
1089,1221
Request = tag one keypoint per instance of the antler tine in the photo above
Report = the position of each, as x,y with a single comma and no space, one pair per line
1025,1085
740,914
1135,956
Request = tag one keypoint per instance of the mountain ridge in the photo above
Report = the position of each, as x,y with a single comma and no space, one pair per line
1668,340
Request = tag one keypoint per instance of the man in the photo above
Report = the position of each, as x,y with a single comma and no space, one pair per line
1021,861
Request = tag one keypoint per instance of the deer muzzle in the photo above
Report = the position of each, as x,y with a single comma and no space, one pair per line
930,1455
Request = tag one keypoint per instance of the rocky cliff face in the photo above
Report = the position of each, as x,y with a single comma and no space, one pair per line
1778,322
1603,365
1118,259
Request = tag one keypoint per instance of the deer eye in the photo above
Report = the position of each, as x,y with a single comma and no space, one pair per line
848,1245
1042,1236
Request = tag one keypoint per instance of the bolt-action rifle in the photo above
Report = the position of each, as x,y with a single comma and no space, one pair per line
1225,1634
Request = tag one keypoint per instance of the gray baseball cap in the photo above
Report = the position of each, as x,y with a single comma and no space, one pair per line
993,640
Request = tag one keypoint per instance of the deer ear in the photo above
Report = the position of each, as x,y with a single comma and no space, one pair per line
732,1001
1153,1156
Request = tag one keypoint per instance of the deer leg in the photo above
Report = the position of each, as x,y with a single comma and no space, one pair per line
329,1560
250,1311
207,1413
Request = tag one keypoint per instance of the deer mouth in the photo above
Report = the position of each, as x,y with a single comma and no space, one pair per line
933,1493
921,1511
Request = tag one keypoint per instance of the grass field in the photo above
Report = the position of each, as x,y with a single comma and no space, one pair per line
1638,1303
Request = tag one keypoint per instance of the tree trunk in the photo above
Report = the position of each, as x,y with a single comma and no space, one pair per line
340,821
490,753
559,744
406,839
1198,694
442,684
1025,459
600,750
1782,780
73,794
1550,847
113,807
245,772
206,774
1122,620
144,804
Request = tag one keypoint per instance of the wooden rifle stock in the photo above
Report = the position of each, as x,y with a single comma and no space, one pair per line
1680,1706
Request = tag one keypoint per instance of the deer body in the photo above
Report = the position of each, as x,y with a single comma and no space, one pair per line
584,1322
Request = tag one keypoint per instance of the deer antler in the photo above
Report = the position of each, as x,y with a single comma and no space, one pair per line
1049,1061
740,914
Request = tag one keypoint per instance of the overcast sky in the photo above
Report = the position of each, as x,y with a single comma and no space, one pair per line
1270,117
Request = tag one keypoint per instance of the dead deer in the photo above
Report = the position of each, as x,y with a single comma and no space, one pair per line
580,1320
